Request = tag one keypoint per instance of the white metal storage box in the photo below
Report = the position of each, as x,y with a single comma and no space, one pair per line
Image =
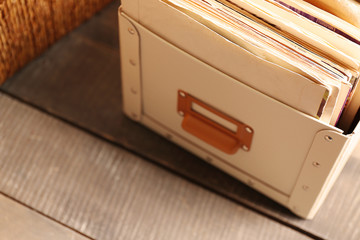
181,78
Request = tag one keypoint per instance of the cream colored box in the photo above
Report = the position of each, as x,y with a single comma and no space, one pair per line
182,79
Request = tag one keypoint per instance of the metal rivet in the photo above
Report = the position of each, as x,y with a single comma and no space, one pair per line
131,30
245,148
250,182
249,130
181,113
132,62
133,90
208,159
305,187
316,164
328,138
182,94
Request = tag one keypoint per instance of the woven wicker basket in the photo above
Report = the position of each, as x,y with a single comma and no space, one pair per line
28,27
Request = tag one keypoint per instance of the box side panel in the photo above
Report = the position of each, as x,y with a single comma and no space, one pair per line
349,142
130,68
321,167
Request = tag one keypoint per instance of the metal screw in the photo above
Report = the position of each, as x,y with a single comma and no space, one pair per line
328,138
316,164
249,130
182,94
181,113
245,148
131,30
305,188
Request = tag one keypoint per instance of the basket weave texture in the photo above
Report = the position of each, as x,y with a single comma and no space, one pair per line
28,27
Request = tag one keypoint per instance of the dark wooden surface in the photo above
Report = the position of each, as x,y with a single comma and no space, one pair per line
78,80
103,191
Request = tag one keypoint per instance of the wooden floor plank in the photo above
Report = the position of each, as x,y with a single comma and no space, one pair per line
105,25
78,80
18,222
106,192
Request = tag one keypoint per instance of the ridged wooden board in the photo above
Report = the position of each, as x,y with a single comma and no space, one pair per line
106,192
78,80
18,222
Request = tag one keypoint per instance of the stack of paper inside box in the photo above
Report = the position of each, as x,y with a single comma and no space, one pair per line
301,37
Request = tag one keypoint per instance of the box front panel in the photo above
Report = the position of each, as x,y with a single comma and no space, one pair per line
282,136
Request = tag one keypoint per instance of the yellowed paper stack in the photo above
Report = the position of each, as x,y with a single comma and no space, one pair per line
296,35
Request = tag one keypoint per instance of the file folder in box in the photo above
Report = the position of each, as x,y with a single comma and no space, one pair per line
180,77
